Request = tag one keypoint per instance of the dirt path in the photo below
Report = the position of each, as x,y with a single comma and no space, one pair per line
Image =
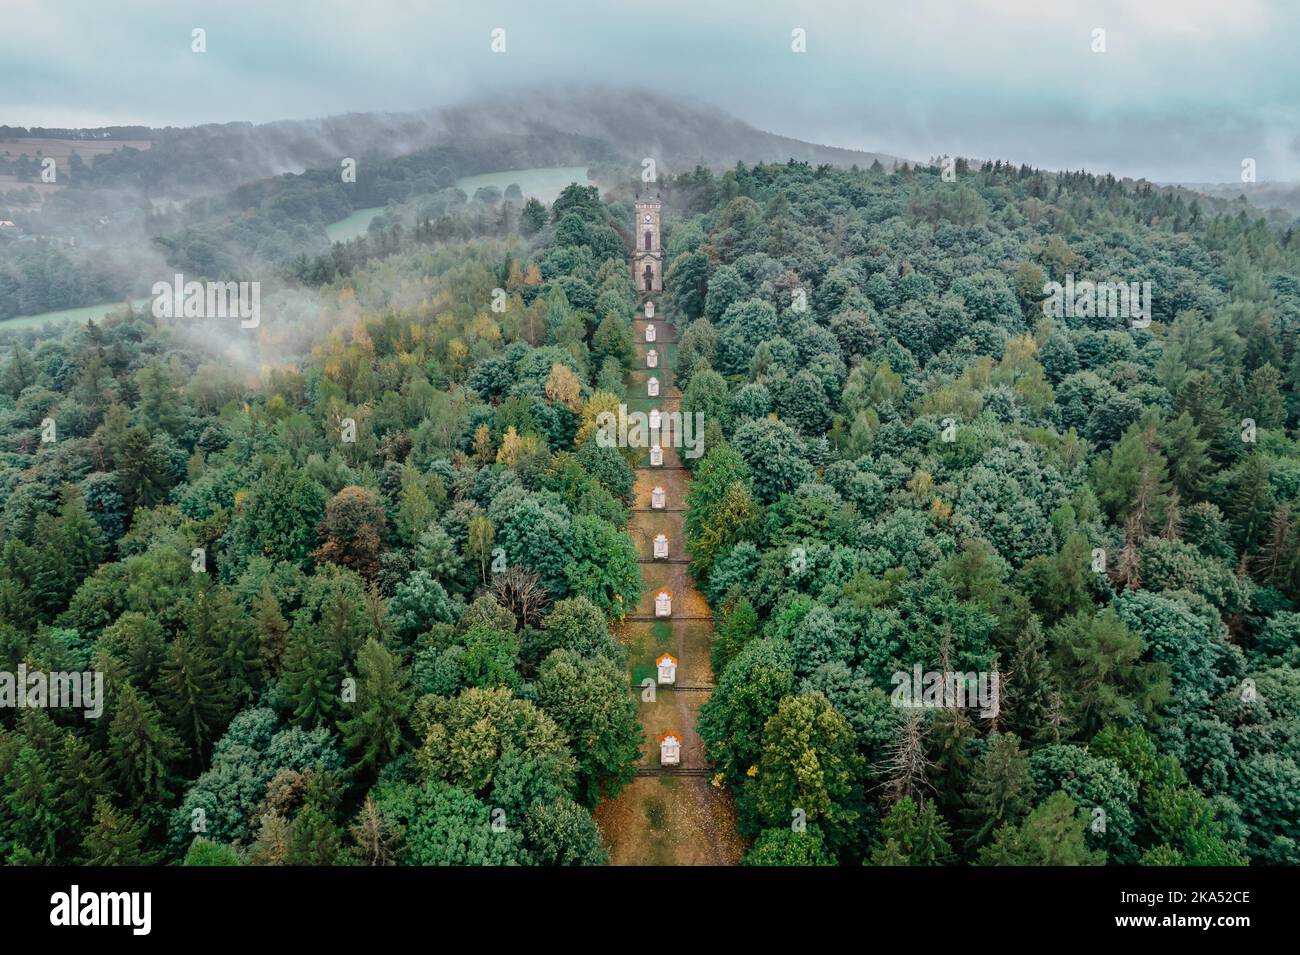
661,818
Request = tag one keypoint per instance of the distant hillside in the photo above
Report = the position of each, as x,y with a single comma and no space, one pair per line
571,127
1281,196
675,131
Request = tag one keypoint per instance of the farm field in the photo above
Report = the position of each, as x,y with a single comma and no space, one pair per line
85,313
543,183
61,150
353,226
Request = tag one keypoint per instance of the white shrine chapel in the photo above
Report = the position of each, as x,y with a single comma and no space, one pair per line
664,603
670,749
661,547
667,666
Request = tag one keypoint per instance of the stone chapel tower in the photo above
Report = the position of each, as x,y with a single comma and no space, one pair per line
648,259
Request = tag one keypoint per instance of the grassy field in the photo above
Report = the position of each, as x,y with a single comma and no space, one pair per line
544,183
353,226
83,314
61,150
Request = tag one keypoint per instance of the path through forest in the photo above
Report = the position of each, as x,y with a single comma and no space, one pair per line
667,815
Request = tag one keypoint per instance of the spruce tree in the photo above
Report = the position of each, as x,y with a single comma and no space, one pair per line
1051,835
375,840
311,681
196,695
272,630
31,808
912,835
376,732
739,625
82,780
141,749
1030,686
1000,789
113,839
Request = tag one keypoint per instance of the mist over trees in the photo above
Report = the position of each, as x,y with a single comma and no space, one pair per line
389,640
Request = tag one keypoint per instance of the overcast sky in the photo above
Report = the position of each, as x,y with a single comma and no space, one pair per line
1185,90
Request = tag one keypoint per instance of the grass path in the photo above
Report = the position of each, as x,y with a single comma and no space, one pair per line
667,819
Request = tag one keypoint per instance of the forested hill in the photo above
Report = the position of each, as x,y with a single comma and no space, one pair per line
323,650
257,200
571,127
674,131
244,201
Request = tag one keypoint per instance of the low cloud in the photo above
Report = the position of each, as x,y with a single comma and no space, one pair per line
1184,91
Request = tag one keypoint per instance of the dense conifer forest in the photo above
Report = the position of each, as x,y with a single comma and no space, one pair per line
355,592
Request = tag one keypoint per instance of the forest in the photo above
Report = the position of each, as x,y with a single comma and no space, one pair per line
356,603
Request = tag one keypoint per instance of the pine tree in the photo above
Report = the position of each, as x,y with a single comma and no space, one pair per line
1000,790
913,836
1108,679
375,840
273,843
1268,563
1173,530
1132,481
342,628
907,768
1265,395
197,698
1128,569
218,625
160,407
1200,398
311,679
83,778
1031,686
1288,572
272,630
31,807
1187,452
314,837
890,853
376,732
1051,835
141,749
951,739
69,549
1251,504
114,840
19,373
